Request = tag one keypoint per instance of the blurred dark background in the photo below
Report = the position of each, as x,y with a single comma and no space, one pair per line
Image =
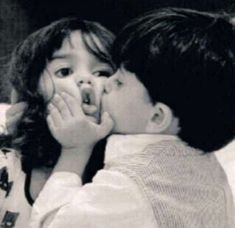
18,18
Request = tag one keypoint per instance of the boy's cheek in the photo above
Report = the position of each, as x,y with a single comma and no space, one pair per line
99,88
104,103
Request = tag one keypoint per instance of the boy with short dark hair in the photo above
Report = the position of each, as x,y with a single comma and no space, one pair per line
173,98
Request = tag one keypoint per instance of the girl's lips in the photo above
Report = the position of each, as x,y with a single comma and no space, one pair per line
89,105
89,109
88,95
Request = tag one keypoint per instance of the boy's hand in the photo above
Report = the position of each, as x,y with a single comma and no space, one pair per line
71,127
13,115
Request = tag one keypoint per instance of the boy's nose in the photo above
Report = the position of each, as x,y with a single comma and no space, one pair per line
108,85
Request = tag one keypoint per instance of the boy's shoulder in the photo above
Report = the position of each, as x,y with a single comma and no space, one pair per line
166,152
174,161
177,154
170,158
172,148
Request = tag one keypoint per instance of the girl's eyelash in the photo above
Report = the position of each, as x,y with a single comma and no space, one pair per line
63,72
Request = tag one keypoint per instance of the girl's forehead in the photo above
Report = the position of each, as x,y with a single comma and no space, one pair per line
72,41
77,40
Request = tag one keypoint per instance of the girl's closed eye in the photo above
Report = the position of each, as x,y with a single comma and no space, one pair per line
63,72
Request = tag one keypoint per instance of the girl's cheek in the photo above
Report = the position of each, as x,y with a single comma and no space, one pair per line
46,87
68,86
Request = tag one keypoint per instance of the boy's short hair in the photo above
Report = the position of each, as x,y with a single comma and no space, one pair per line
185,59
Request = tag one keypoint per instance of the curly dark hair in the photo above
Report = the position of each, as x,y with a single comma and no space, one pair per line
186,59
32,137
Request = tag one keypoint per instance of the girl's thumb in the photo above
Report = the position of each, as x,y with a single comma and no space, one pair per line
106,125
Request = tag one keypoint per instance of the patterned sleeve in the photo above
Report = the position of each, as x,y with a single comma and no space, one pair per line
6,164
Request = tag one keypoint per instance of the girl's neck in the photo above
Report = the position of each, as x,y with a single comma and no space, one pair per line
38,180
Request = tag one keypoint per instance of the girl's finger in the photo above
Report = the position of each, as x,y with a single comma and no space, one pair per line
55,115
105,126
51,124
12,121
62,107
17,108
73,104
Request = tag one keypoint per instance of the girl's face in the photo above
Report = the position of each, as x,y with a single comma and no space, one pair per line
72,69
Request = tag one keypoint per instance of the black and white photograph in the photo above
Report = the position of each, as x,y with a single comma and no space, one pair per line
117,114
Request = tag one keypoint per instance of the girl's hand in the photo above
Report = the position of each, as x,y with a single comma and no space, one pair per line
13,115
71,127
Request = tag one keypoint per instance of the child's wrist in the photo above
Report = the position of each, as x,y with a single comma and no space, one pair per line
73,160
78,149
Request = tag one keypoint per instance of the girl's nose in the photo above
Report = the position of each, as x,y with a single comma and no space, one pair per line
85,80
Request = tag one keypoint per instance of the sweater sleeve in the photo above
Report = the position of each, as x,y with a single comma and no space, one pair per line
112,200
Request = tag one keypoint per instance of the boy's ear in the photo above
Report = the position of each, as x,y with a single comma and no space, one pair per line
160,119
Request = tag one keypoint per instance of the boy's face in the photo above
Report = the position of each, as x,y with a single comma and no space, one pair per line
127,101
72,69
